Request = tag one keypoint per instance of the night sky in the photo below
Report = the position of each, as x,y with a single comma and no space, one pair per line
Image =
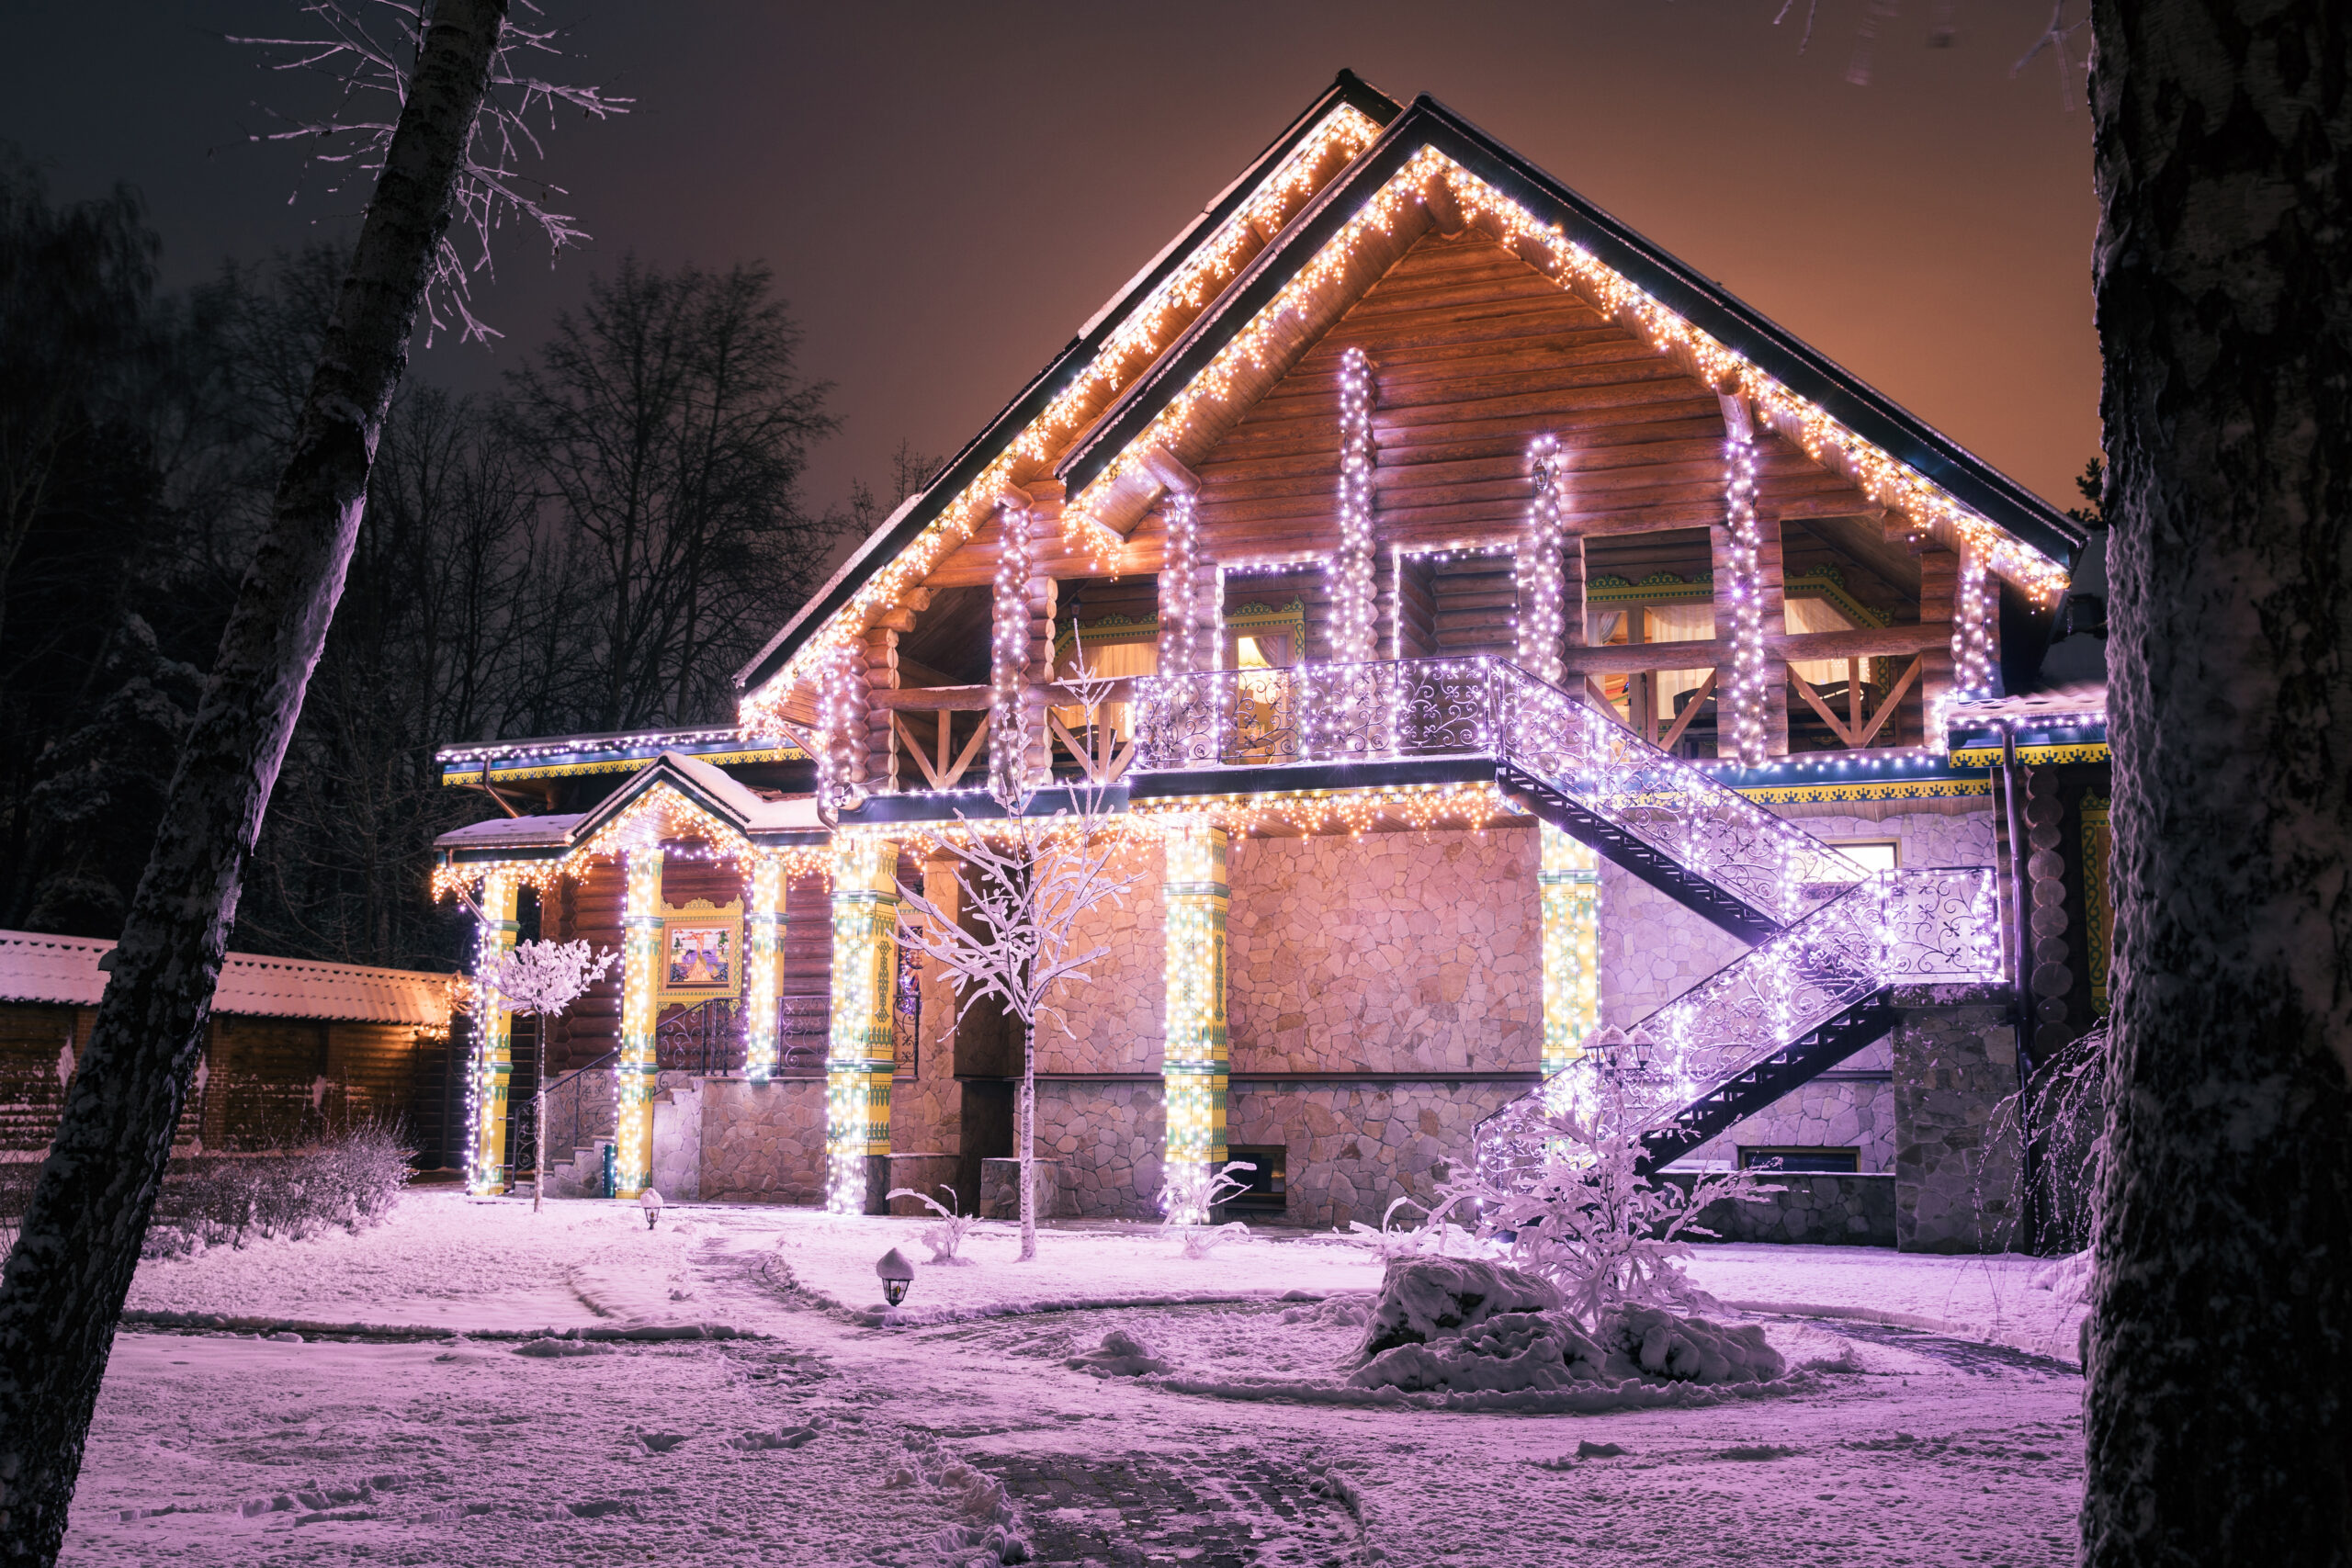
945,193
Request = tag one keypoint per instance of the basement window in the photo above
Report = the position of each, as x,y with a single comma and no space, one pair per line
1794,1161
1267,1192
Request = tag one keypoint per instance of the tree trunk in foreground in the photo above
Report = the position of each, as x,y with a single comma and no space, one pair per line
82,1229
2221,1348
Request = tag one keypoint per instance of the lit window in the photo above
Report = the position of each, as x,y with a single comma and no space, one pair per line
1872,854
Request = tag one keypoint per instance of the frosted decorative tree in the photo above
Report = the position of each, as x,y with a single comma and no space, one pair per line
1590,1220
1025,884
539,979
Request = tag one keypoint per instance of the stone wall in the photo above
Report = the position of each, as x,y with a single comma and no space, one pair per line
763,1142
1390,952
1955,1173
1829,1112
1114,1018
1824,1209
1109,1139
1352,1148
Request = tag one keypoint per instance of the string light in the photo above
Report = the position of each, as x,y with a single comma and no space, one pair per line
860,1049
1180,586
1354,600
1008,661
634,1076
1416,807
1542,585
1195,1053
491,1068
1129,349
631,753
1975,609
660,814
1568,879
762,966
1750,685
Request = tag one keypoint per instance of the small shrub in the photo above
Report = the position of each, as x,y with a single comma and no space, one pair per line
945,1237
351,1181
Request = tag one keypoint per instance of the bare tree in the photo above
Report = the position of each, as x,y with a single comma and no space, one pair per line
79,1241
1025,886
668,427
2220,1408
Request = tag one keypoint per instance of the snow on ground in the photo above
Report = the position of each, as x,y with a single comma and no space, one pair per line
466,1443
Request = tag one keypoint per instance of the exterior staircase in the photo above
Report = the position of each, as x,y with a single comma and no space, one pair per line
1832,941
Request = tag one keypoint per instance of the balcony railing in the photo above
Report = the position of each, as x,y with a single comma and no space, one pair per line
1426,707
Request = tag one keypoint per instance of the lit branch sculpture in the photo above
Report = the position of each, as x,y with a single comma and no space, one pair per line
539,979
366,47
1025,886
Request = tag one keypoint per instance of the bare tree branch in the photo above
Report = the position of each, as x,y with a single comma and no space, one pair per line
365,48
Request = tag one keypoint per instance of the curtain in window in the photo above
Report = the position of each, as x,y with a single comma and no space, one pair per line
1109,661
1678,623
1821,615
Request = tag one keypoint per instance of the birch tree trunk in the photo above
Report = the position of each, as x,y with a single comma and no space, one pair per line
2221,1347
1025,1114
72,1266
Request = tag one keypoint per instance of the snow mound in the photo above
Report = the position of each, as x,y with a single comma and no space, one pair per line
1120,1355
1338,1311
1692,1349
551,1349
1430,1298
2068,1279
1509,1351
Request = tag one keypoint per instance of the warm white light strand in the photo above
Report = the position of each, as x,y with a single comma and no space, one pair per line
1748,690
1355,609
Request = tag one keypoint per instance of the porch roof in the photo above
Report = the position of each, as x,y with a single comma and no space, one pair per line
72,970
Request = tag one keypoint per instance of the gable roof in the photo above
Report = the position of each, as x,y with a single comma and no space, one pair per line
1741,343
721,799
919,510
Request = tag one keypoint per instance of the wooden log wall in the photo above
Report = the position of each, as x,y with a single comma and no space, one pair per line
1475,606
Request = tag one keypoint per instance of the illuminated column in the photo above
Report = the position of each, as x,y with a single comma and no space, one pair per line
1193,1067
860,1049
1570,878
640,982
1542,585
494,1062
762,966
1354,594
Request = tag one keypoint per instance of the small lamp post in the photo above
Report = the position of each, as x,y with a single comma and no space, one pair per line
897,1275
652,1202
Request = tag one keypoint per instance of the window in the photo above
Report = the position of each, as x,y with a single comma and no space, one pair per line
1267,1192
1831,1162
1875,854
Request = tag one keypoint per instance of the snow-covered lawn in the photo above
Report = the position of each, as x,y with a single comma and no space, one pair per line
730,1389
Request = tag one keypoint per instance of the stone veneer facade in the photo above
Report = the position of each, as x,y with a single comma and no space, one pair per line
1384,995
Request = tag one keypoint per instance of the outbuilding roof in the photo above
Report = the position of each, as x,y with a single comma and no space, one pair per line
67,970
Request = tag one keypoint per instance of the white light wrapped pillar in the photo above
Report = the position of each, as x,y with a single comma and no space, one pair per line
641,985
762,966
492,1070
1355,592
1542,585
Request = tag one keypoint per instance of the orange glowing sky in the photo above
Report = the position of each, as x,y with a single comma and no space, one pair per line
946,192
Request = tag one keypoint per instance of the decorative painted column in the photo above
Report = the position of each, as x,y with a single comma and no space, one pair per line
641,985
493,1058
1354,593
1193,1064
762,966
860,1049
1570,878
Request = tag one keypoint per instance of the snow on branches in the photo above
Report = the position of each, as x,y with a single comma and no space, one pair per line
539,978
1590,1220
367,48
1025,884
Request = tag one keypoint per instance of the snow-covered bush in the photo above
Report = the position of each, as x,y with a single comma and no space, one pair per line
1587,1218
1393,1241
1191,1188
351,1181
948,1235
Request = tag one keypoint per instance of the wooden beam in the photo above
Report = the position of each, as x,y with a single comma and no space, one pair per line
1632,658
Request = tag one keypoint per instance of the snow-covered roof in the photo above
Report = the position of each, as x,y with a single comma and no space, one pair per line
707,786
553,831
38,968
2077,701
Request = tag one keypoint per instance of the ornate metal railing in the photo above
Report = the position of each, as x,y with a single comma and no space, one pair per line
1898,928
1423,707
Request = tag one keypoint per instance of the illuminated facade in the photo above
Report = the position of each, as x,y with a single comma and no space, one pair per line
1512,634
